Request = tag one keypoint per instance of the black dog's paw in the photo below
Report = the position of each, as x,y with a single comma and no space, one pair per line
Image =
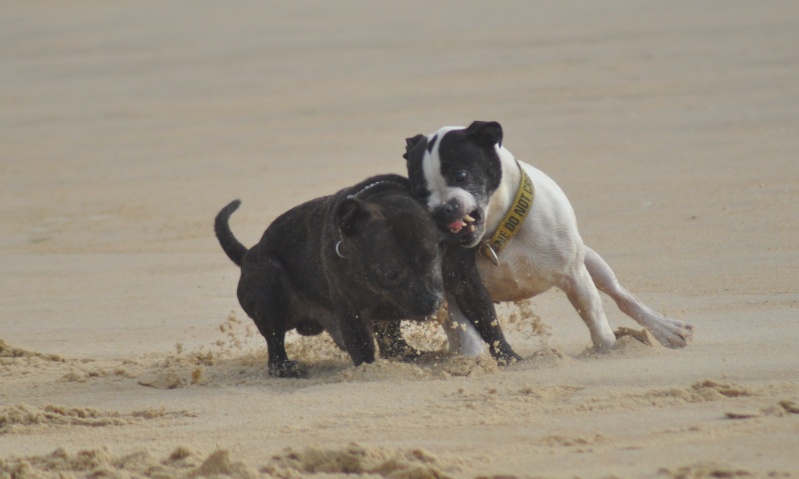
505,356
391,343
406,355
399,351
508,360
410,355
288,369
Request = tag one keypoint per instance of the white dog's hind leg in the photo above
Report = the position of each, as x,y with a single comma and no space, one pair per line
670,332
461,335
584,296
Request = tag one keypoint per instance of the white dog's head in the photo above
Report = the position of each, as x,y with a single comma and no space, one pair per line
454,171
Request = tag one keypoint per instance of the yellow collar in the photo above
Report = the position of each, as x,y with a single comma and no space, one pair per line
512,221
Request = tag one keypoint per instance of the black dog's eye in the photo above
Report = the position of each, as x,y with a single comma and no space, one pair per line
461,176
387,276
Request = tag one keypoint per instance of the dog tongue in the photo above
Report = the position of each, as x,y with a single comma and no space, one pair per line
455,225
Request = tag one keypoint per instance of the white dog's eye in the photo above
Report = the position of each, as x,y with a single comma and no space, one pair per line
461,176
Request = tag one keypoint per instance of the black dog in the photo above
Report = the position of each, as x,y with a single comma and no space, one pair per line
339,263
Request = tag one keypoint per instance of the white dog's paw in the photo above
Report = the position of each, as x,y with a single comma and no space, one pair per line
604,343
671,332
463,339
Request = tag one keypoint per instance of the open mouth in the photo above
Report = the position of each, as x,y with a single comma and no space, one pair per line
468,226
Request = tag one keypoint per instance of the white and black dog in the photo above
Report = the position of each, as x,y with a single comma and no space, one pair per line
472,185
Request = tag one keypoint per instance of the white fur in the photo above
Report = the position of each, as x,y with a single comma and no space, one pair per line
440,193
547,251
461,335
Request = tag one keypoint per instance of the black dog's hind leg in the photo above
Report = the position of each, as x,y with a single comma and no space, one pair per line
391,343
462,281
264,293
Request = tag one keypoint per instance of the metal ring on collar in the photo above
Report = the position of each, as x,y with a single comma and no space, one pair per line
488,252
337,249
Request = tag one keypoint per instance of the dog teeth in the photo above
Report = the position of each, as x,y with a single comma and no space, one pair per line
458,225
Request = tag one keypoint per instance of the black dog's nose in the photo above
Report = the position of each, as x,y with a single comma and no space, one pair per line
433,301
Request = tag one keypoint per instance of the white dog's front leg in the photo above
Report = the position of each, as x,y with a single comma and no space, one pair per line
461,335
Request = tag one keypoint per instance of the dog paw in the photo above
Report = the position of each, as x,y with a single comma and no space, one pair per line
409,356
604,343
601,348
505,356
400,351
288,369
672,333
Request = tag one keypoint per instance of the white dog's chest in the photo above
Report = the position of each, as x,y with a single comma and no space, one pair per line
512,280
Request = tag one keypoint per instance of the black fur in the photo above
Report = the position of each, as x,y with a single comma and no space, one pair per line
231,246
293,277
463,284
472,150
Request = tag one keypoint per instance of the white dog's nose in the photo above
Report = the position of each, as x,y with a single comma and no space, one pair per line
449,208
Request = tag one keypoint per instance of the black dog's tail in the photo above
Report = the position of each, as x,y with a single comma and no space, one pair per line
234,250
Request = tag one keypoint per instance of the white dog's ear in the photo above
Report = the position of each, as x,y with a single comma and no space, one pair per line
351,213
486,133
411,142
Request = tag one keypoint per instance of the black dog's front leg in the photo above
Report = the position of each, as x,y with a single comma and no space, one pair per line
462,280
358,337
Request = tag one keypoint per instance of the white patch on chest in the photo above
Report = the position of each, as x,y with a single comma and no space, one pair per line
545,248
513,280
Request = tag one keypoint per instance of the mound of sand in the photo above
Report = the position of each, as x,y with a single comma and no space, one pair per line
22,415
184,463
707,470
11,352
93,463
355,459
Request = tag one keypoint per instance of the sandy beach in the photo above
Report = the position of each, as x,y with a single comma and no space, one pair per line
125,126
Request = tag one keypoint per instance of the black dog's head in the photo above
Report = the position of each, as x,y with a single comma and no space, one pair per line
393,252
454,171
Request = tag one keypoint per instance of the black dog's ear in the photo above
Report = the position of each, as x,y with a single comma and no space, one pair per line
350,213
486,133
411,142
